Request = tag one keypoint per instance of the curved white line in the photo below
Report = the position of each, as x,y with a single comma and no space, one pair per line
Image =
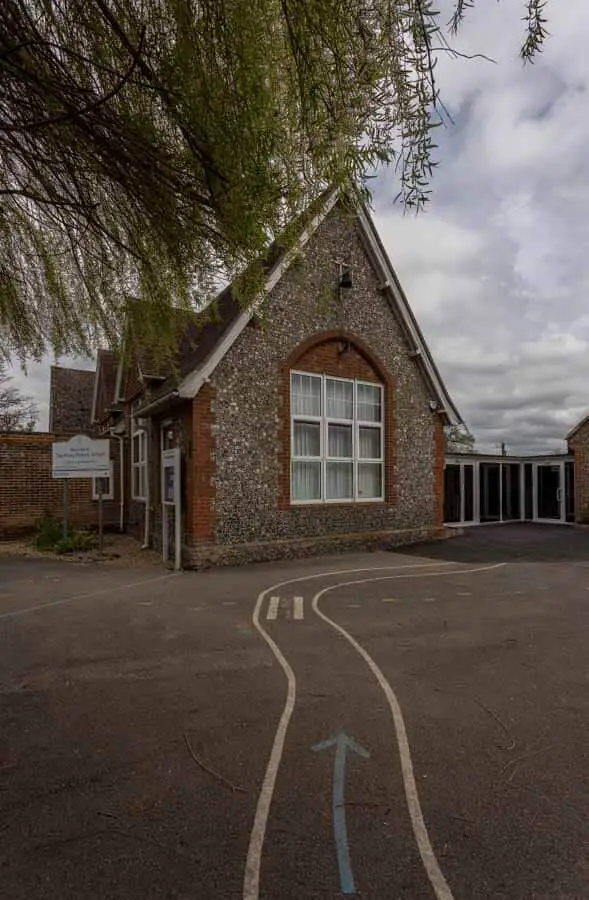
251,882
428,857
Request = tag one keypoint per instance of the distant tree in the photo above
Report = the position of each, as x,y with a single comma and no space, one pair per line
18,412
459,439
146,146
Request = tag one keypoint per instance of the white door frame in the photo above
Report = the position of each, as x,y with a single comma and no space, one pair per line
559,494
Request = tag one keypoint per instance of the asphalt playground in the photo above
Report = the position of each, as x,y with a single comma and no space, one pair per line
406,725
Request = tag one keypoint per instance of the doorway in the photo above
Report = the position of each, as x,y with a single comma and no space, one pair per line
549,492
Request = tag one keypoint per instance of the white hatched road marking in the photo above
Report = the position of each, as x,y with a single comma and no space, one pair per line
273,608
298,608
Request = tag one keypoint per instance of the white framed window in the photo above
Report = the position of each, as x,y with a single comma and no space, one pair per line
337,439
107,486
139,465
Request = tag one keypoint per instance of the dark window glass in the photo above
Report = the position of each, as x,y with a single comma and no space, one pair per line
489,492
452,494
468,493
528,492
511,491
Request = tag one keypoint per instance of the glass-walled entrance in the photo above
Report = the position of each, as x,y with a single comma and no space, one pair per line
482,490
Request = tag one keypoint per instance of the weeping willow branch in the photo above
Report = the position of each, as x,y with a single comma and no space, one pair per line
148,145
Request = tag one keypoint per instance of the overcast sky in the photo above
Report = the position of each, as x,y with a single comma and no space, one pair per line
497,269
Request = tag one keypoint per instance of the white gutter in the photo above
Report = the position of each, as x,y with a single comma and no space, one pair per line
147,518
121,439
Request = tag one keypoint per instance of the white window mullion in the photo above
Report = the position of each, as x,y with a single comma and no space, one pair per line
345,439
355,440
324,438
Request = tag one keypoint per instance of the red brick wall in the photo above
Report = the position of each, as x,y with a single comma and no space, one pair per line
201,478
343,356
28,492
579,445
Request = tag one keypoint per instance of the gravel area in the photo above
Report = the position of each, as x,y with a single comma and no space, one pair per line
119,550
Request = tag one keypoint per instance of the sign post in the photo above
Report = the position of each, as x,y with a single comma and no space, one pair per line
81,457
66,504
100,515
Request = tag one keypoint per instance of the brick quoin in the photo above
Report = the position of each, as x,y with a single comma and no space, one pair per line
578,444
342,355
439,472
203,466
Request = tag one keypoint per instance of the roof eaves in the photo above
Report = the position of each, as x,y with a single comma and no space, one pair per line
398,300
193,382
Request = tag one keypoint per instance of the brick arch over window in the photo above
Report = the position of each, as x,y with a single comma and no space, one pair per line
342,355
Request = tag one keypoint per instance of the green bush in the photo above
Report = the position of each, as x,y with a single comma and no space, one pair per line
48,533
49,536
77,542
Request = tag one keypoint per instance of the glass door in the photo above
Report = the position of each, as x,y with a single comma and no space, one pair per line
549,493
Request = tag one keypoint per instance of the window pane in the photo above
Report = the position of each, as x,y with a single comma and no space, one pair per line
340,399
306,439
369,480
136,484
369,403
306,480
369,443
102,486
339,481
136,447
339,440
306,395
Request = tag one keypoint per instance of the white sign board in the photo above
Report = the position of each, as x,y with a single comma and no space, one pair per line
171,476
81,457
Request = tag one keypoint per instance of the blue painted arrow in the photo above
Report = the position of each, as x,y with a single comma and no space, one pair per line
342,744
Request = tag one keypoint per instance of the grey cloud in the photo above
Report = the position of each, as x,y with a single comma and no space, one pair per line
506,311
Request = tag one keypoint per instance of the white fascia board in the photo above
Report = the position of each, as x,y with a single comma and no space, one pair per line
191,385
391,285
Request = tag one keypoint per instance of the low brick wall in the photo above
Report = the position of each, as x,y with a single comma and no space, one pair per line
203,556
28,492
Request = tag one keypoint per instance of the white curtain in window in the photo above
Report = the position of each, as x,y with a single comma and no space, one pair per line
306,480
339,441
369,480
306,395
340,399
369,405
369,443
307,439
339,481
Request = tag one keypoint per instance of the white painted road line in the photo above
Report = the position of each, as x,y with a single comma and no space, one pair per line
298,608
253,863
273,608
428,857
76,597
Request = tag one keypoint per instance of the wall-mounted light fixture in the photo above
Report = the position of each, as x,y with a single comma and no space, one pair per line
433,405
